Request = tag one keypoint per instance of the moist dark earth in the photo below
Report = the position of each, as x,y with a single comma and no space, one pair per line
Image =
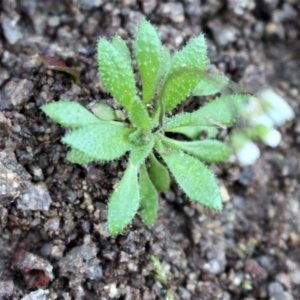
53,239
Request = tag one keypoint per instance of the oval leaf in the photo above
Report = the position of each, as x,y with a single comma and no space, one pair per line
124,202
186,70
104,112
70,114
206,150
138,114
210,84
121,46
194,132
96,140
78,157
140,152
196,180
158,174
149,197
147,49
224,110
116,73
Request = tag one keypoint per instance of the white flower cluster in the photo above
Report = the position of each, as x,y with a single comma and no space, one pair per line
266,110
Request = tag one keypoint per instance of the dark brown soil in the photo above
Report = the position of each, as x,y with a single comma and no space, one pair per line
53,213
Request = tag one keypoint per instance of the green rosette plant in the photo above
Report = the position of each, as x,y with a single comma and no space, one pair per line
146,133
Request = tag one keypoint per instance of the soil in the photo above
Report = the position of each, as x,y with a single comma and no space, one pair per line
54,243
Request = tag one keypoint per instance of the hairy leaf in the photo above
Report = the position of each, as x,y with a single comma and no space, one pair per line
78,157
139,152
104,141
224,110
149,197
124,202
210,84
70,114
206,150
186,70
196,180
138,114
165,63
158,174
104,112
116,73
147,49
121,46
194,132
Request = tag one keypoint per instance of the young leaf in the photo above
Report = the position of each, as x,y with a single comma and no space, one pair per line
121,46
149,197
205,150
210,84
147,49
70,114
138,114
194,132
158,174
165,63
78,157
224,110
104,112
96,140
139,152
196,180
186,70
124,202
116,72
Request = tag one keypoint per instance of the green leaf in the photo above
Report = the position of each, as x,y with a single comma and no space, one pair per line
210,84
147,49
124,202
196,180
121,46
158,174
224,110
104,112
186,70
139,152
165,63
138,114
78,157
69,114
206,150
116,73
149,197
104,141
194,132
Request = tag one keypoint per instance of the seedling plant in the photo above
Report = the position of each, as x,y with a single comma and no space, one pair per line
148,131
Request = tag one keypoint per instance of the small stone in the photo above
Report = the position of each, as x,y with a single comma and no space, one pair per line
282,296
37,295
13,178
36,198
81,261
11,31
52,224
148,6
6,288
36,271
15,94
53,21
274,288
223,34
89,5
296,277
